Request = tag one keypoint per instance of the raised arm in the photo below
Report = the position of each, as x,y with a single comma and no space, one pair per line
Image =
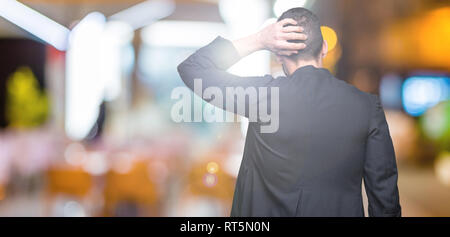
274,38
380,169
210,63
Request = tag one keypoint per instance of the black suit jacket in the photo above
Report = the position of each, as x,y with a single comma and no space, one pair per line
331,136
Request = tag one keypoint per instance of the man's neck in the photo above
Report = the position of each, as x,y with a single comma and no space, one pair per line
291,67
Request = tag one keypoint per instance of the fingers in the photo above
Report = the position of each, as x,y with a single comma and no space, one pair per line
294,36
289,29
286,46
287,21
280,33
286,53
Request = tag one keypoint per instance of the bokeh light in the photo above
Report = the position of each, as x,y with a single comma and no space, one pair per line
330,36
442,168
210,180
212,167
422,93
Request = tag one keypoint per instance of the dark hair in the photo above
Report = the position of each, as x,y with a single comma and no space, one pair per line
311,25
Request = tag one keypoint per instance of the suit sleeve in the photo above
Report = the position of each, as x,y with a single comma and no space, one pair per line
380,168
210,64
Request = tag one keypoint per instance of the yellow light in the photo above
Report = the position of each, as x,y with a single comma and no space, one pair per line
422,41
433,37
330,36
212,167
330,61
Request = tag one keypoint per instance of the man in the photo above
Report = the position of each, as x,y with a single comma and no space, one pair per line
330,134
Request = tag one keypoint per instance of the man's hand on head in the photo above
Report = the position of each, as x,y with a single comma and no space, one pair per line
276,37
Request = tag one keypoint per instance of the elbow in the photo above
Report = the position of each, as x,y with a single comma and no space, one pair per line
182,71
185,73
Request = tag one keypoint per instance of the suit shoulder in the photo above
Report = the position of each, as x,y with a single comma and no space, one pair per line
368,98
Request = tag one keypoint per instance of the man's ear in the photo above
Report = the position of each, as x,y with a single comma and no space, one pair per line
324,52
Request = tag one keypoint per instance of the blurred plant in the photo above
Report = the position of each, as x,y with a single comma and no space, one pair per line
436,125
27,105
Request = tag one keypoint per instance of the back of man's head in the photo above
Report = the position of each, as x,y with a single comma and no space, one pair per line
311,25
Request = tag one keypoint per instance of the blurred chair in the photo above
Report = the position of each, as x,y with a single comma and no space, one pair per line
131,192
67,181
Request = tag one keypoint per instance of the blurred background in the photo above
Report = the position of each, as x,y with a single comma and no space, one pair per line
85,100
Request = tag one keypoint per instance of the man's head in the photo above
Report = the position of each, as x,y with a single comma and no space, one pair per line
315,46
